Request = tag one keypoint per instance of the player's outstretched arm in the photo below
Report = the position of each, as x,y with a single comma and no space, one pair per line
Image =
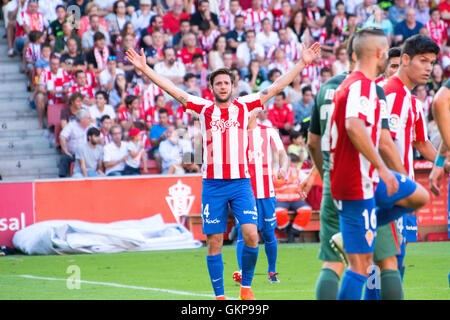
441,113
140,63
282,82
359,137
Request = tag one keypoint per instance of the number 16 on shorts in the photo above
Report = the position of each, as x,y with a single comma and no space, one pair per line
358,221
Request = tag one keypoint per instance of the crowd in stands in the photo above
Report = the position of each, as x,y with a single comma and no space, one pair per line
113,118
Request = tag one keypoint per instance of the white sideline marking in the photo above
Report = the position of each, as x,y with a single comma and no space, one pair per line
118,285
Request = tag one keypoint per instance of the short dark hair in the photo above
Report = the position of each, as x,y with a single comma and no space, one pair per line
272,72
294,158
93,132
324,69
419,44
104,117
188,76
305,89
129,99
432,10
104,94
197,56
78,72
218,71
163,110
60,6
75,96
394,52
282,94
294,135
99,36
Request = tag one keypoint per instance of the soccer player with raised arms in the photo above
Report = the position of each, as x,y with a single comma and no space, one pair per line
226,179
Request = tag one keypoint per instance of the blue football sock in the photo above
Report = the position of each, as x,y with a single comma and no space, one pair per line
372,290
352,286
215,269
249,257
384,215
270,246
239,246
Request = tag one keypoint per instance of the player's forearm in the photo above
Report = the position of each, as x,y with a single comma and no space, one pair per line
426,149
282,82
315,151
166,85
357,133
284,160
389,153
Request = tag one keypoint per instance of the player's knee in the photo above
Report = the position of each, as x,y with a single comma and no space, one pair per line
250,235
389,263
302,218
214,243
282,217
268,236
422,197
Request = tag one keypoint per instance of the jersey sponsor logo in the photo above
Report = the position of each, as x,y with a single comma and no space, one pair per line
222,125
364,103
394,121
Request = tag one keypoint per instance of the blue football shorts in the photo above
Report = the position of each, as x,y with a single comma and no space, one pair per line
267,219
217,194
358,223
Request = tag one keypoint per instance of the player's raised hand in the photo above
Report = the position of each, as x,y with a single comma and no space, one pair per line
138,61
308,55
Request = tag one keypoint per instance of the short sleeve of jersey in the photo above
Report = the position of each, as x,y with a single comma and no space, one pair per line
447,84
252,101
314,126
384,114
196,105
358,102
275,140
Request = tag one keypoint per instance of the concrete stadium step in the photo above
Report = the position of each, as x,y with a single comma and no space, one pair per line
17,113
22,134
20,149
16,85
16,104
18,124
10,67
12,76
15,167
21,94
27,175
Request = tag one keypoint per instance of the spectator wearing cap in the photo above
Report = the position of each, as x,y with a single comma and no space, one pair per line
141,18
115,153
172,19
203,14
444,8
61,45
89,156
108,75
71,138
136,154
97,57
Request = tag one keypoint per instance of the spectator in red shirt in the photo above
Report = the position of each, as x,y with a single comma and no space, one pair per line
172,19
82,87
130,113
190,48
444,8
282,115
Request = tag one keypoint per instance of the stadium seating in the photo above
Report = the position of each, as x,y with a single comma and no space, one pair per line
152,166
54,119
437,236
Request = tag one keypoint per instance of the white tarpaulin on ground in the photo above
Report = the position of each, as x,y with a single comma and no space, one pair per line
73,236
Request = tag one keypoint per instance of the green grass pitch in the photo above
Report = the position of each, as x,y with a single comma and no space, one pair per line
182,274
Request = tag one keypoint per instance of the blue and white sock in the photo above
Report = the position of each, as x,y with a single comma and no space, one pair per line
215,269
371,291
352,286
249,258
270,246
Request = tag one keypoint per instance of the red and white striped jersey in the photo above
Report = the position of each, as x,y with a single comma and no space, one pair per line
86,91
406,120
292,49
261,141
33,52
147,94
183,116
206,42
438,32
90,79
54,82
352,175
280,22
226,18
124,114
35,22
151,115
225,135
253,19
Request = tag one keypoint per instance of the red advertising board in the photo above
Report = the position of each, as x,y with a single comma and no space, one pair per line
115,199
16,209
435,212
